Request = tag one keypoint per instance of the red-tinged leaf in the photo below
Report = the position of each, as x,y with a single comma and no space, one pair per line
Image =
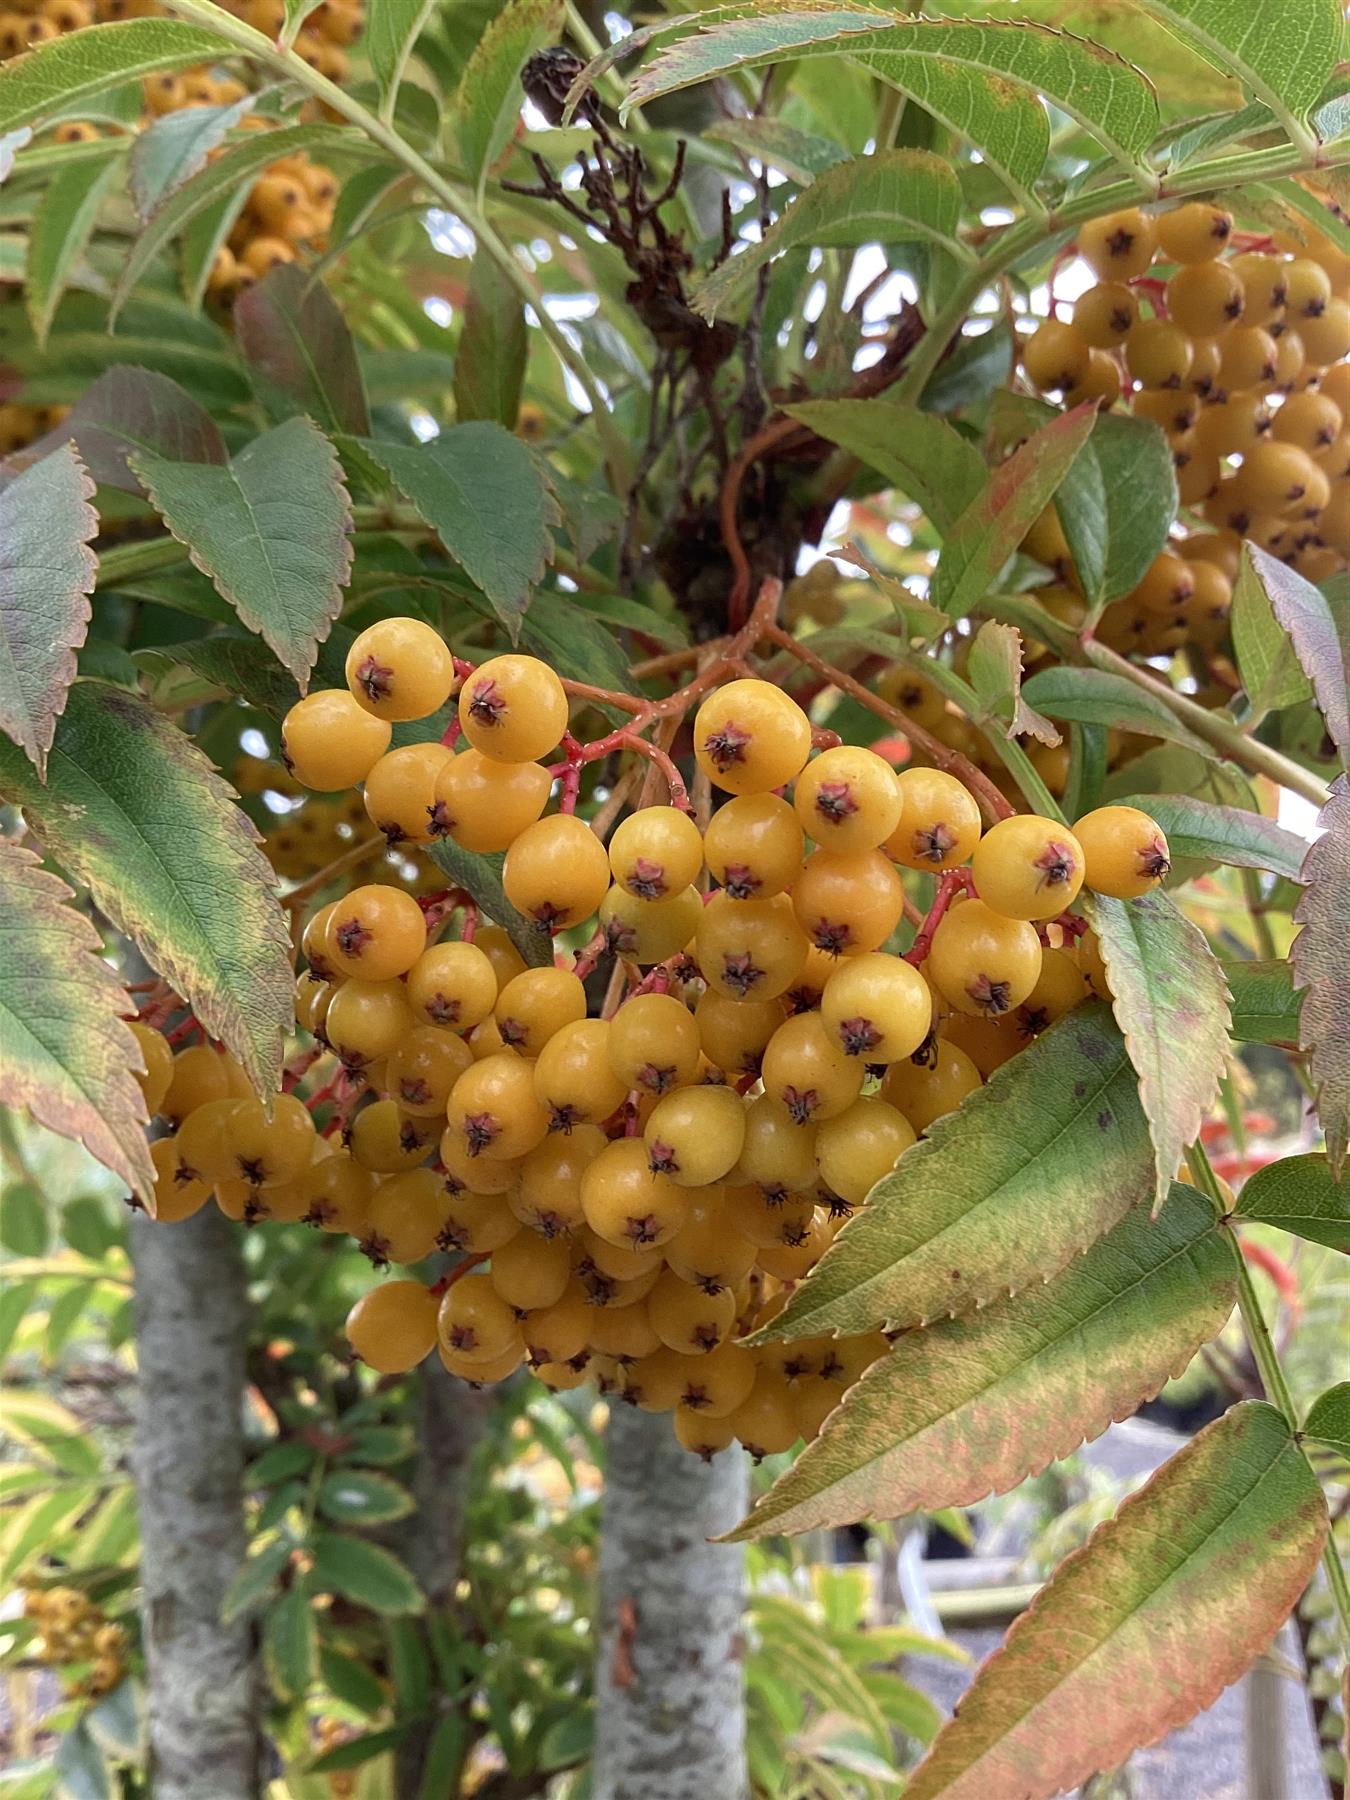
996,521
127,410
971,1406
1300,1194
66,1055
1172,1003
1319,634
1162,1608
133,811
46,577
1031,1169
298,346
1321,969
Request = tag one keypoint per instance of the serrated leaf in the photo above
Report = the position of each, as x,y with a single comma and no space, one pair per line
360,1497
1328,1419
1300,1194
254,1579
129,409
392,29
1097,697
971,1406
1161,1609
288,1642
1171,1003
272,530
994,523
1266,658
229,172
1115,503
66,1056
300,351
490,357
1265,1006
1288,68
366,1573
66,70
1316,631
174,147
1199,832
919,453
482,492
995,672
1056,1137
135,813
59,234
47,573
489,98
1321,970
892,194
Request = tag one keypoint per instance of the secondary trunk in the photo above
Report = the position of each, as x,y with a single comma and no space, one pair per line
670,1718
205,1690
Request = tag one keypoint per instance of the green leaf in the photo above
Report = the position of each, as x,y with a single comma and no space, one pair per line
351,1681
66,1057
1287,68
1097,697
81,1770
1172,1005
482,492
801,155
174,148
230,172
1161,1609
59,235
1328,1419
489,99
1198,832
47,573
1056,1135
1104,93
135,813
890,195
360,1497
15,1300
1266,658
919,453
356,1751
1322,972
128,409
578,646
1115,503
24,1227
272,530
995,672
279,1462
490,357
63,1316
366,1573
254,1580
1314,634
992,525
481,877
1299,1194
63,72
229,663
1265,1006
392,29
973,1405
288,1642
300,351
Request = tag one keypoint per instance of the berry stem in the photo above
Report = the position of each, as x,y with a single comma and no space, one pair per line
300,1066
460,1270
954,882
340,865
180,1033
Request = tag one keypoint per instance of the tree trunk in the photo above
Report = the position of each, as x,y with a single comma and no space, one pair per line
670,1719
205,1690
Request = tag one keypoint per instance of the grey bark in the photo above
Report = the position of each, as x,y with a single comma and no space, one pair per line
670,1692
205,1689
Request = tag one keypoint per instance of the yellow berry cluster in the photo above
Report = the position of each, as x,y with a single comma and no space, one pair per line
75,1633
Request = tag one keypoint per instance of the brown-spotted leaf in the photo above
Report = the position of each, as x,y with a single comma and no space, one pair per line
134,812
66,1054
1142,1628
1322,970
46,577
1172,1003
1031,1169
971,1406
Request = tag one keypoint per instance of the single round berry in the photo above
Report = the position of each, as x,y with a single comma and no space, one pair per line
749,949
1059,988
850,903
400,669
1194,233
452,985
402,1218
707,1251
751,737
753,846
656,853
475,1322
1027,867
1103,315
393,1326
1205,298
695,1134
388,1141
546,1195
982,961
1158,353
847,800
513,708
483,805
855,1150
400,793
330,742
530,1272
939,821
1125,851
367,1020
493,1109
1119,246
807,1071
375,933
574,1079
536,1004
653,1043
649,931
877,1007
931,1083
1055,357
556,872
626,1203
179,1190
733,1032
423,1068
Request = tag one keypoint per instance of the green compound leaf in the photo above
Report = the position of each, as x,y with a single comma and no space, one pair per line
490,357
1288,68
59,235
1114,505
174,147
392,29
66,1055
1097,697
1199,832
301,354
1161,1609
1172,1005
128,409
134,812
1321,969
1300,1194
47,573
484,495
1317,628
1328,1419
66,70
894,194
1031,1169
272,531
919,453
971,1406
489,99
1267,660
1266,1007
366,1573
994,523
